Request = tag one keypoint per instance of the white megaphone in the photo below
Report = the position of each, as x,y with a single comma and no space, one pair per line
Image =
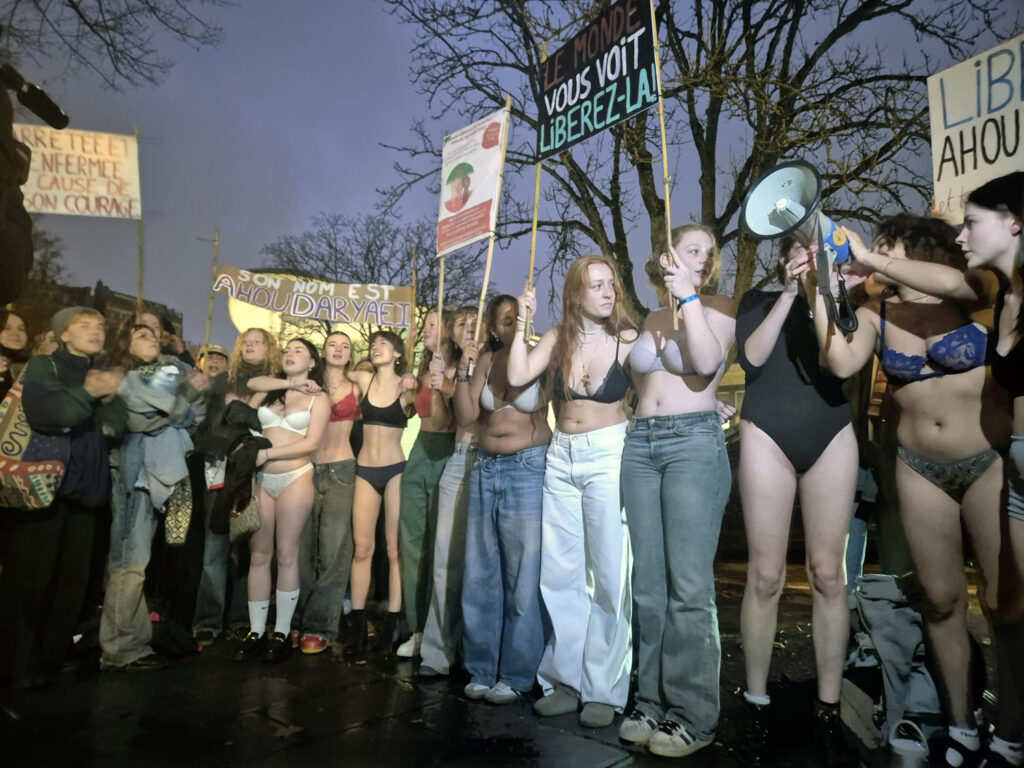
787,201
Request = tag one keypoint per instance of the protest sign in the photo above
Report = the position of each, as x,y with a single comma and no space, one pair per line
354,303
81,173
975,109
604,75
470,181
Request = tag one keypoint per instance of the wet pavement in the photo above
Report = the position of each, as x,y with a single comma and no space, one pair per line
325,710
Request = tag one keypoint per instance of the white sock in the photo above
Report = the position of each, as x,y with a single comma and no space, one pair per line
763,700
1012,751
968,737
258,616
285,610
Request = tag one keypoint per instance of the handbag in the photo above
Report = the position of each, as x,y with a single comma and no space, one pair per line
245,522
178,514
32,464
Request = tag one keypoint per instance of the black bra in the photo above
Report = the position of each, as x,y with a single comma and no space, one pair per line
613,387
392,415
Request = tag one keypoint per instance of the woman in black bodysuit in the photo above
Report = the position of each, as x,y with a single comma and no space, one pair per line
796,435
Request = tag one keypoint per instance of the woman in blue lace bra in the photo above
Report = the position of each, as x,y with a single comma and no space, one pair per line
675,484
954,425
293,419
585,560
503,632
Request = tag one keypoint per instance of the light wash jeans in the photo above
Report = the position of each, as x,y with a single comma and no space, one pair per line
443,631
503,630
325,549
585,565
675,481
125,627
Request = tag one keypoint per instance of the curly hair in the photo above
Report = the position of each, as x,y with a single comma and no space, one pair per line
392,338
120,345
447,345
924,238
577,281
656,273
239,373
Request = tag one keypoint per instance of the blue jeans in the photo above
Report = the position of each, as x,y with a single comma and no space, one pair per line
218,567
325,550
675,483
503,635
125,627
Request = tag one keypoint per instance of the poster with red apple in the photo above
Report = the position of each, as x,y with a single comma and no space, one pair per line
470,180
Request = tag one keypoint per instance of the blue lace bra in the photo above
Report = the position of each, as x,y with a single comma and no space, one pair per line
962,349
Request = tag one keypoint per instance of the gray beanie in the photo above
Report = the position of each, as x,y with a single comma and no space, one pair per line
62,319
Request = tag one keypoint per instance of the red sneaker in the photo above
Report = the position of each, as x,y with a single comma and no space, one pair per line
312,643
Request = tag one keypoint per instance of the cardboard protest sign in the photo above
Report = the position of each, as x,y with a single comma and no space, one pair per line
81,173
604,75
976,111
470,181
317,300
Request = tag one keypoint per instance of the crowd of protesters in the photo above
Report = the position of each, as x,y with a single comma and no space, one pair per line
546,558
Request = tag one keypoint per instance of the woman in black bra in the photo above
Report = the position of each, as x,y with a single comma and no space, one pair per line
585,555
960,422
379,475
797,436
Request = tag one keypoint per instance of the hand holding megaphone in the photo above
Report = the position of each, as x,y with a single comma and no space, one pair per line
799,264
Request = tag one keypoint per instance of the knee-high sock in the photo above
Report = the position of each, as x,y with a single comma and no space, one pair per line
285,610
258,616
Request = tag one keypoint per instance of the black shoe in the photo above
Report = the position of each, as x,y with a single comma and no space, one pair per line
147,663
756,749
204,637
279,648
250,648
387,633
831,744
355,645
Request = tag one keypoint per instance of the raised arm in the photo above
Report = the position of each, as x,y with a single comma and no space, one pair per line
525,364
466,401
709,326
844,355
973,285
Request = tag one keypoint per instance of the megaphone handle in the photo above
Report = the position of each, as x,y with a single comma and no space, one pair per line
847,322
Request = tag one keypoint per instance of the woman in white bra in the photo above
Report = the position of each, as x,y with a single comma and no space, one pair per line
294,414
503,635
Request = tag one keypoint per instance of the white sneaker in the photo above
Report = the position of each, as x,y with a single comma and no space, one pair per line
476,690
410,648
502,693
673,740
637,728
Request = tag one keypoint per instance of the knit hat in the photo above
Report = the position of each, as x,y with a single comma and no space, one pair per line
62,319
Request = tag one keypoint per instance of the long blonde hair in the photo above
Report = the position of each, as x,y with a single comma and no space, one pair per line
577,281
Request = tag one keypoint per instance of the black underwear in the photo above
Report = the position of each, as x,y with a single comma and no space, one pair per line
378,477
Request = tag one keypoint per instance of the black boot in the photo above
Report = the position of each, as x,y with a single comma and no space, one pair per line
387,633
756,748
833,751
356,642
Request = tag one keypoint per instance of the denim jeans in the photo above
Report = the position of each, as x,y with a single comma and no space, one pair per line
325,549
417,522
218,568
585,565
125,627
503,635
675,481
443,631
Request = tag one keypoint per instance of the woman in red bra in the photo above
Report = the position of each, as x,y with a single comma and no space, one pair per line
434,444
954,427
294,415
326,544
378,476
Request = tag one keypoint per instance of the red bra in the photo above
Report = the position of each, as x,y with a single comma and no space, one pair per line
423,401
345,409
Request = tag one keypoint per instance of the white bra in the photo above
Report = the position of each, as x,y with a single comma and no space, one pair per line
527,401
297,421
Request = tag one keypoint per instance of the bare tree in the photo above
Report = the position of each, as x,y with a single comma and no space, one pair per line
747,83
115,39
377,248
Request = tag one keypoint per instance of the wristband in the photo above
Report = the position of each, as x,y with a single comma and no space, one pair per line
520,324
687,300
464,378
